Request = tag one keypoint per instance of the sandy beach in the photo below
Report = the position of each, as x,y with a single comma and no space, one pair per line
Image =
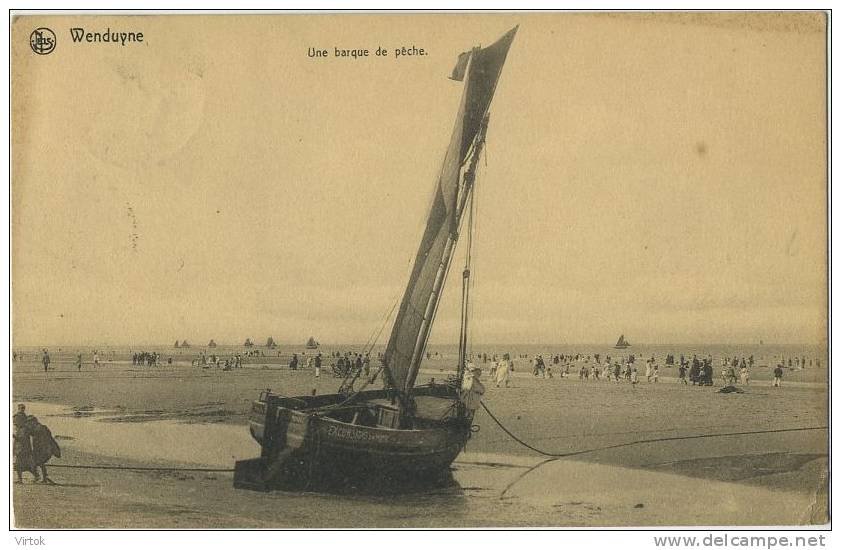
187,417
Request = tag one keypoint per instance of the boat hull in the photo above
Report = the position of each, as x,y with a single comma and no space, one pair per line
302,447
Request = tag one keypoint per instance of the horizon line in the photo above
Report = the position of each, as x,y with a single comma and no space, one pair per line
486,344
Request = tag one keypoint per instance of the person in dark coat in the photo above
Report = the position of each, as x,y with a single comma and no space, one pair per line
708,373
22,446
44,447
778,375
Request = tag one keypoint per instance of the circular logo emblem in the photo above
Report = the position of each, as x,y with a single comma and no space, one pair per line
42,41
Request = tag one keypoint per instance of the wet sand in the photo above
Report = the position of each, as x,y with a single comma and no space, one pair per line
185,416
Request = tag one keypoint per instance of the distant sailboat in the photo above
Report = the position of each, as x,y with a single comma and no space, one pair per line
622,343
312,344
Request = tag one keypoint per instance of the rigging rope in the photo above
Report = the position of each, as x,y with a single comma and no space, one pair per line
379,332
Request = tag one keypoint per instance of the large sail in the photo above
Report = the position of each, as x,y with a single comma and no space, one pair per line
408,338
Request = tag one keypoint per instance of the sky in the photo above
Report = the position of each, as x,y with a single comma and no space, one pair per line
661,176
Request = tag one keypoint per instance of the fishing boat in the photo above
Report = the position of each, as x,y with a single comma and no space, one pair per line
402,431
622,343
311,343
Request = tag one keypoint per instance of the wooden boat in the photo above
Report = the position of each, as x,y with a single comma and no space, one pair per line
312,441
311,343
622,343
403,431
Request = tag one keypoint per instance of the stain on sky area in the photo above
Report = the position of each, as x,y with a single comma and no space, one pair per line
134,237
791,247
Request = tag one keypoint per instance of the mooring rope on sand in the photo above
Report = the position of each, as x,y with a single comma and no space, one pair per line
556,456
552,456
639,441
140,468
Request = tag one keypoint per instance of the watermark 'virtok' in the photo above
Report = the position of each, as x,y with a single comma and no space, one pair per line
42,41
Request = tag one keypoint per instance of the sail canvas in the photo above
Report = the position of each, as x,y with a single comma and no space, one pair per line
408,340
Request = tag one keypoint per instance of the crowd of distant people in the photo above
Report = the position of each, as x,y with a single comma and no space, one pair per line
695,371
150,359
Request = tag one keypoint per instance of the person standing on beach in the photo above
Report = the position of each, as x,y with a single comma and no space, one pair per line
472,389
45,359
707,372
744,374
44,447
79,362
778,375
317,365
19,418
503,371
681,373
95,358
22,447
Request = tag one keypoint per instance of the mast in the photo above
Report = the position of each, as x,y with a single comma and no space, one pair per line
469,181
465,196
479,69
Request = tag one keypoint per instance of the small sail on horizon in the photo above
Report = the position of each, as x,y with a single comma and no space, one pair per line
622,343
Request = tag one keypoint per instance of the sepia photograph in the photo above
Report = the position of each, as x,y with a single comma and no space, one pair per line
394,270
